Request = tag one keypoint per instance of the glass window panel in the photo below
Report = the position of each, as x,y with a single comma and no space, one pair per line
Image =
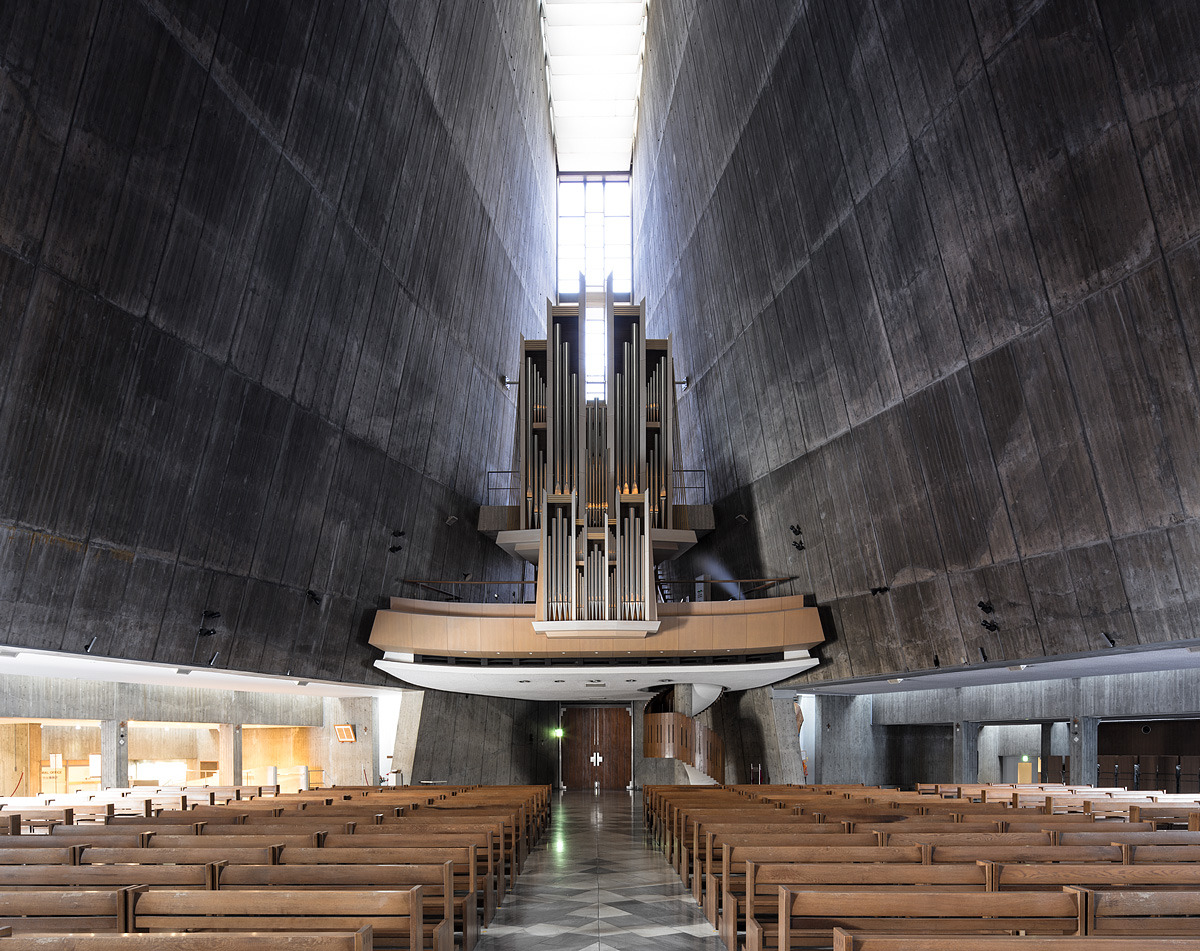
618,230
570,199
617,199
595,197
570,232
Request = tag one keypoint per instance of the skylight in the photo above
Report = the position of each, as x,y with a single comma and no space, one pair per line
594,51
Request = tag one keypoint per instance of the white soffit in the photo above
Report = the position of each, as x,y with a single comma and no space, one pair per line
25,662
594,53
601,682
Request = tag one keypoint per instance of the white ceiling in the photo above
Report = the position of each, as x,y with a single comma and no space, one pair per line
32,663
594,51
630,682
1116,661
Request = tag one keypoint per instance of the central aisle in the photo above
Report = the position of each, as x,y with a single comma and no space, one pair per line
595,882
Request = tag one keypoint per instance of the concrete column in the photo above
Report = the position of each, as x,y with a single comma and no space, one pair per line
1045,752
966,751
844,746
229,753
114,753
1084,732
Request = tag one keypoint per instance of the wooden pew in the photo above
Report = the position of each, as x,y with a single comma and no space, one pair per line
468,884
49,855
807,918
1025,877
395,916
190,856
190,941
443,900
730,879
105,876
490,872
1160,912
58,910
760,900
870,941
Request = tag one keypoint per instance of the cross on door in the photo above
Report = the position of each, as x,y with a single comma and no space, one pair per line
596,759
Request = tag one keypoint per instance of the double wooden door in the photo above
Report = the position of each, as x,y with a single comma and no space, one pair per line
597,747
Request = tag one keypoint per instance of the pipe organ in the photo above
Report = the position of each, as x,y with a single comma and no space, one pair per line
596,473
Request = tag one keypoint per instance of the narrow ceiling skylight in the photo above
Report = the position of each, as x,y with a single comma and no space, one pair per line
594,52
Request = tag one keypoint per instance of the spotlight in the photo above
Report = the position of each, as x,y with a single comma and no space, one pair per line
936,662
796,529
467,575
395,548
989,626
313,596
882,589
1108,637
451,519
986,607
398,533
798,545
211,615
740,518
982,655
207,632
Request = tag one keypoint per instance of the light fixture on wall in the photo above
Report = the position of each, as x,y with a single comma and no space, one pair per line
344,732
212,660
90,645
313,596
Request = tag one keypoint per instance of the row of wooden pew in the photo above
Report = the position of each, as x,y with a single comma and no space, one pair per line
785,866
420,868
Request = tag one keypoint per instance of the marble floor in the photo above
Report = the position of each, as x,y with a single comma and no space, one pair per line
595,883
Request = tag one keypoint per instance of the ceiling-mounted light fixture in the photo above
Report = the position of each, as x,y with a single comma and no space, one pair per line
451,519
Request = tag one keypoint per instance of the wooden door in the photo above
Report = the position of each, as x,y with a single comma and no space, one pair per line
597,745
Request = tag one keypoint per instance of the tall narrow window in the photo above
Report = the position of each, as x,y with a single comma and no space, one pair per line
595,234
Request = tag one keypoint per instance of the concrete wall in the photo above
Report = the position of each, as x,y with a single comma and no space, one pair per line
908,737
1162,693
47,698
931,268
918,754
467,739
262,267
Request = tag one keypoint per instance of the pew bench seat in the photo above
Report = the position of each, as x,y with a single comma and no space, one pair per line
359,940
394,916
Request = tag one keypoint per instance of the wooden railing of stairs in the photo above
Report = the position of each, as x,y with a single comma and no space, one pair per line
675,736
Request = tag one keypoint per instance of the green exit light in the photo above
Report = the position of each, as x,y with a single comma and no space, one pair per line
558,732
1025,758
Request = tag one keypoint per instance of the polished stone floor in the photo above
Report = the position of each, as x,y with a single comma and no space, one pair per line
595,883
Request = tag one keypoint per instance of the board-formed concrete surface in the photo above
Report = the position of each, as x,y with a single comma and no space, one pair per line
932,270
262,267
